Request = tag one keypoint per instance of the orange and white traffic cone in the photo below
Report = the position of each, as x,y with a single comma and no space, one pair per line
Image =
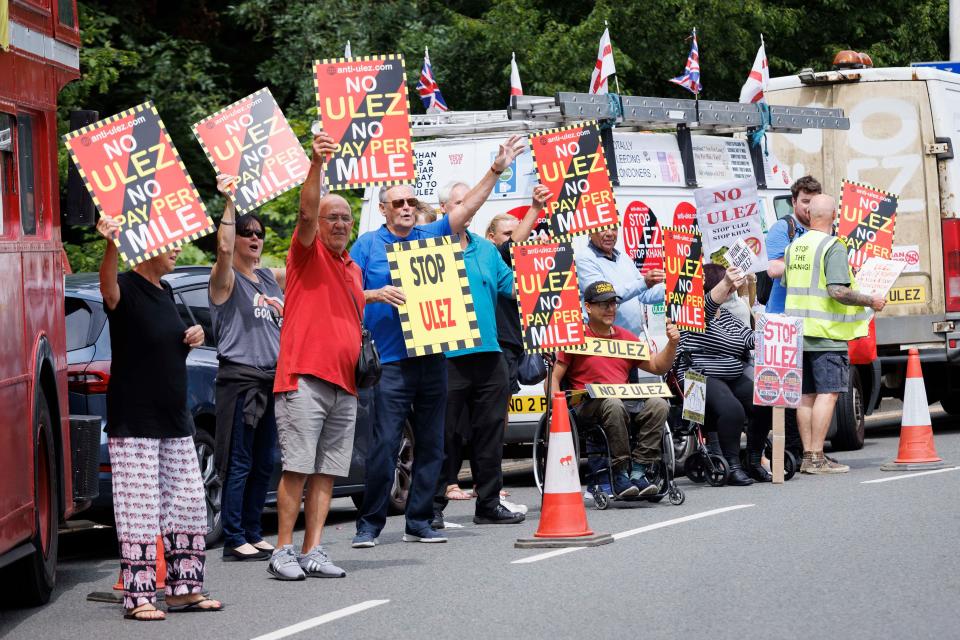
917,450
563,518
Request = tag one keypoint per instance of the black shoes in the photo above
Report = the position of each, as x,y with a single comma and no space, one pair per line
437,522
230,554
500,515
738,477
757,470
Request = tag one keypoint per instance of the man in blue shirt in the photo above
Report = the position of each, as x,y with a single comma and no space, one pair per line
802,191
418,383
602,261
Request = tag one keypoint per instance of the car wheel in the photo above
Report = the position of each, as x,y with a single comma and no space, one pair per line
30,580
850,416
403,475
950,404
204,443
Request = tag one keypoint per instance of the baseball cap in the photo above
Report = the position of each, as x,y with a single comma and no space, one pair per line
600,291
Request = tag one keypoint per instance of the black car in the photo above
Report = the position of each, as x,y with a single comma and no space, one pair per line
88,358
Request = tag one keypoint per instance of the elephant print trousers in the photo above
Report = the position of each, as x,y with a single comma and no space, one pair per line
157,490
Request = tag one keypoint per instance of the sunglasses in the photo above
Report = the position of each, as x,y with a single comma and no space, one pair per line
411,202
246,233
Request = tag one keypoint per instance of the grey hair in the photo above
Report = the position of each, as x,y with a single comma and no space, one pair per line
443,195
386,188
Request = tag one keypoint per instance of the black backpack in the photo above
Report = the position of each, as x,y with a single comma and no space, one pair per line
765,282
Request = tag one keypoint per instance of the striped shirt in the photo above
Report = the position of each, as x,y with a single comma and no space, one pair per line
719,352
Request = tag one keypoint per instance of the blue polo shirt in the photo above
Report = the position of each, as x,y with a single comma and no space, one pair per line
370,254
489,277
778,239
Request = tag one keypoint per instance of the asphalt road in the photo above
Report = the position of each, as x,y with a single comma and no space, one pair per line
835,557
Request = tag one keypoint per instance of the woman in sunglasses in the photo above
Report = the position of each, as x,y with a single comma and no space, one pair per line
246,302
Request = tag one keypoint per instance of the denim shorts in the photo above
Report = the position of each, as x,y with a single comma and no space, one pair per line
826,372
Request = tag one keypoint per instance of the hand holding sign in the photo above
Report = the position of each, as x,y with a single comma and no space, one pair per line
673,334
391,295
226,184
108,227
653,277
323,146
540,196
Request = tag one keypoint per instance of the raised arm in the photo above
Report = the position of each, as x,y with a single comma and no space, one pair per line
662,362
221,275
540,196
109,288
462,214
732,280
312,189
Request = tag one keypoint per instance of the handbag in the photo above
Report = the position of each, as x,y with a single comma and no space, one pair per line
532,368
368,368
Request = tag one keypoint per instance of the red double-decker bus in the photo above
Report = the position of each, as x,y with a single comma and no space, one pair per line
46,459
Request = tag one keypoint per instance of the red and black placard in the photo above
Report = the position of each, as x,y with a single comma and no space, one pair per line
571,163
548,297
135,175
642,237
252,140
684,267
363,105
868,218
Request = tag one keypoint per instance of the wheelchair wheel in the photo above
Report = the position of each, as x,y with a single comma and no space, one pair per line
790,465
600,499
693,468
540,440
677,496
717,476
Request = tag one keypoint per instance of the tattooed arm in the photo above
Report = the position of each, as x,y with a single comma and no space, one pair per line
846,295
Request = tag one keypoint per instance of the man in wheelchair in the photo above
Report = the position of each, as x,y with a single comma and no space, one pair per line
575,371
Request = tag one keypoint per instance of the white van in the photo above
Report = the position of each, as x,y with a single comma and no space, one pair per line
650,173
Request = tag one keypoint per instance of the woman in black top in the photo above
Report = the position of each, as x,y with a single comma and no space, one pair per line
721,353
157,488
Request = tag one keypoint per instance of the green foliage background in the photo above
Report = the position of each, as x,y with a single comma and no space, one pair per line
194,57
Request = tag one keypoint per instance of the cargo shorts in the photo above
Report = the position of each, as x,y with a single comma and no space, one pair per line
315,427
826,372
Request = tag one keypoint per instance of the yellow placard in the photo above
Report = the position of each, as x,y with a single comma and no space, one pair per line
438,315
607,348
528,404
907,295
630,391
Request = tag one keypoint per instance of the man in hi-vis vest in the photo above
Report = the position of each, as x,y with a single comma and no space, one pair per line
820,289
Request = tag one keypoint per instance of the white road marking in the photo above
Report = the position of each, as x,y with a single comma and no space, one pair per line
909,475
319,620
633,532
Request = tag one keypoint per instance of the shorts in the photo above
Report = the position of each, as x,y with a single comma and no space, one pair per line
826,372
315,426
512,357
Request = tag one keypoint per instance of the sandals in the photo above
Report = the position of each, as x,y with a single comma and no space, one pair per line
136,614
456,493
194,607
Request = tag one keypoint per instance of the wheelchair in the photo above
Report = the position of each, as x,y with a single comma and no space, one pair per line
590,438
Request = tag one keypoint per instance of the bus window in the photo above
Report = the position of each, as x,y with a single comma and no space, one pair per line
25,171
66,12
6,146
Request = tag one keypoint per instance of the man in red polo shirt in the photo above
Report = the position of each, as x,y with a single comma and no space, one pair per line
577,371
315,387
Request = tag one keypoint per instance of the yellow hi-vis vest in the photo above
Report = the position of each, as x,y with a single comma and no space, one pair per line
807,297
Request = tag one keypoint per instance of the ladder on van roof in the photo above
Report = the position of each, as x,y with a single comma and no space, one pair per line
531,113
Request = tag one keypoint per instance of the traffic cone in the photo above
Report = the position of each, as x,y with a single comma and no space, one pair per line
563,518
917,450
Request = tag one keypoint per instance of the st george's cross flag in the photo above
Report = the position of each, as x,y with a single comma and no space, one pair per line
604,67
758,79
428,88
690,80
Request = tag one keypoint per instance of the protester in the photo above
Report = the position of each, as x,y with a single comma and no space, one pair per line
316,390
420,383
246,304
721,353
477,383
157,488
575,371
820,290
601,260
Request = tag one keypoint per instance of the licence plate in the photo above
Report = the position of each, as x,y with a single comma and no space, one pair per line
528,404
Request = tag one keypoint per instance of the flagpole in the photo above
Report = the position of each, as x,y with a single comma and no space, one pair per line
616,80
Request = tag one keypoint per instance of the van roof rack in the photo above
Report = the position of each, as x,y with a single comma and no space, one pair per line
532,113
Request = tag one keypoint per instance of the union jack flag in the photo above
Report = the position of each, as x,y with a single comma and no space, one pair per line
690,80
428,88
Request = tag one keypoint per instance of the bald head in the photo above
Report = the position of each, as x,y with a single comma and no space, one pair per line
335,222
823,210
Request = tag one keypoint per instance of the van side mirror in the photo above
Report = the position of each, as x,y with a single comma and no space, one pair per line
783,206
79,209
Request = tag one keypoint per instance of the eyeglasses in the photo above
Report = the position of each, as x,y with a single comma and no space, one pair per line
411,202
342,219
606,304
246,233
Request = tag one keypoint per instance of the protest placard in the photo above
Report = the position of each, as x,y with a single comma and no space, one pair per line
252,140
778,363
548,298
135,175
727,212
363,105
694,397
642,237
877,275
571,163
684,283
438,315
741,256
868,217
630,391
608,348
